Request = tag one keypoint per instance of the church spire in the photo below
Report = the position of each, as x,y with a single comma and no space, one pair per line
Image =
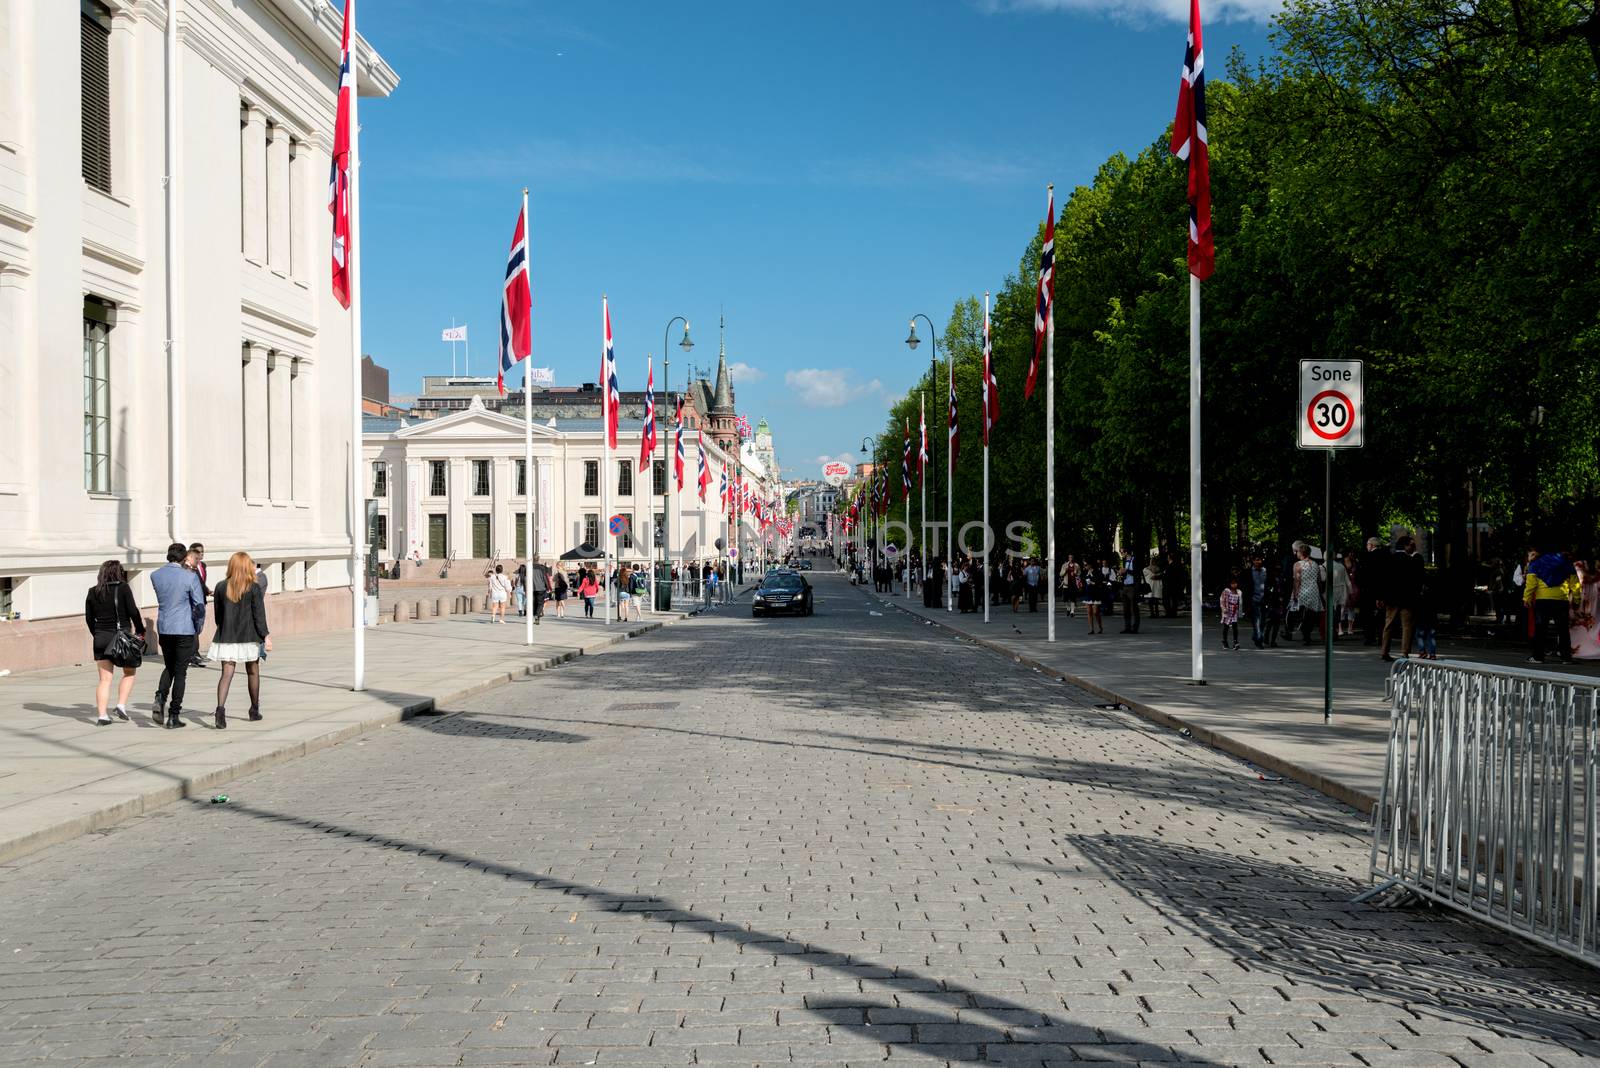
722,398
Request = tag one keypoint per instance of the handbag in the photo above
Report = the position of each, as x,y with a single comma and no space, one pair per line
125,649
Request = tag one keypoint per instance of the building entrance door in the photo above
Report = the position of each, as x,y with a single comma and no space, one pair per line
480,536
438,541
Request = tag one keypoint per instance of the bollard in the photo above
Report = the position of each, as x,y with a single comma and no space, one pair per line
441,608
399,613
477,603
462,605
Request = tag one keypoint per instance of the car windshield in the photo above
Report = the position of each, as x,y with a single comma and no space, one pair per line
782,584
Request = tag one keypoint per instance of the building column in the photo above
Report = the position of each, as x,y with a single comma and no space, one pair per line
457,512
543,507
298,157
253,183
415,523
300,431
278,423
255,423
278,199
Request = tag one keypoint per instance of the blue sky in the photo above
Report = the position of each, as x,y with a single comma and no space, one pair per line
822,171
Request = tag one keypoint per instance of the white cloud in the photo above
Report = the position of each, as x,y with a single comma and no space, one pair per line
818,387
1143,11
743,372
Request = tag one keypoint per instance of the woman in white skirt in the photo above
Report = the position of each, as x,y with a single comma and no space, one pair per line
499,594
242,636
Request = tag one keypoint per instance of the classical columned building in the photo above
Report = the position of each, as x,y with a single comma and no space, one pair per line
173,365
455,489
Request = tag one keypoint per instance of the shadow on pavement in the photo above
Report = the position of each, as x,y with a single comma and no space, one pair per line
863,1017
1300,922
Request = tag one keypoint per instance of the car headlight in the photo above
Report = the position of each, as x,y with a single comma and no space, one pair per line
759,597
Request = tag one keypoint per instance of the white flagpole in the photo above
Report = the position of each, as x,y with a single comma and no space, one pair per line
922,488
1196,620
1050,458
358,497
649,474
949,483
528,480
605,463
984,395
452,346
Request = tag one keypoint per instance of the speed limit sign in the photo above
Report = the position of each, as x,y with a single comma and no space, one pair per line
1331,404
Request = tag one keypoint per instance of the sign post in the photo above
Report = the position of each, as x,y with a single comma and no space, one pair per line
1331,417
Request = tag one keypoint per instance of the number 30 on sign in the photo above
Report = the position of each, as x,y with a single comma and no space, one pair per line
1331,404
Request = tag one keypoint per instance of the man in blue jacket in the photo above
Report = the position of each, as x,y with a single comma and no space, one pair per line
182,602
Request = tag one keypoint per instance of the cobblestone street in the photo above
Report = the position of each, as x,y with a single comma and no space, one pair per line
845,839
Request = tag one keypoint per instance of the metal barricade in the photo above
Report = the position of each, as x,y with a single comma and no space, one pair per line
1488,802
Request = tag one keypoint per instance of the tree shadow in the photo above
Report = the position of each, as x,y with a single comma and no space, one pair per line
963,1026
1301,923
485,728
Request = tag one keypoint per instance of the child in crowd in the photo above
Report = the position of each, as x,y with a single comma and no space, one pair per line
1230,601
1427,624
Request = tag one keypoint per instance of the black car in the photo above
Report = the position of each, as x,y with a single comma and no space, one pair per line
782,591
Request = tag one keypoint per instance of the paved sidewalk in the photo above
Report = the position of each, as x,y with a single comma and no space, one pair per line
1264,705
61,776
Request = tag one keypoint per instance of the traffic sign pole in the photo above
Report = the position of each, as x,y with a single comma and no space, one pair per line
1327,599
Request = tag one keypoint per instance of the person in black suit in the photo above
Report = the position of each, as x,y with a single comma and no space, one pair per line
110,607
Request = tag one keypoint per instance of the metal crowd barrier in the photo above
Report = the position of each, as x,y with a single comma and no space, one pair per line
1488,803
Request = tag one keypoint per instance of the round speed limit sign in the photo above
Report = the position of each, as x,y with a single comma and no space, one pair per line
1331,400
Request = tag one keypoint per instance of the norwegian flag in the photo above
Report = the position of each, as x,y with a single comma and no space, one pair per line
677,460
612,400
955,426
991,388
1189,145
704,477
905,465
647,439
922,448
1041,310
722,487
516,306
339,175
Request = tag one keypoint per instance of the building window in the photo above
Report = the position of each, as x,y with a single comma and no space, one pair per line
380,479
481,548
624,478
591,478
8,602
522,478
480,478
94,33
591,528
522,534
437,485
378,536
627,534
658,477
98,319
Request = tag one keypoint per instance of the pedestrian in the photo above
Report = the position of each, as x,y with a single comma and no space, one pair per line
1174,581
588,589
1550,589
1231,601
1346,576
1030,582
561,590
1585,628
964,589
1071,583
538,586
110,611
1152,586
499,593
1273,601
1370,583
1256,591
622,582
242,636
1427,623
1307,583
1128,592
1096,583
639,586
1402,576
181,613
519,589
1339,580
197,563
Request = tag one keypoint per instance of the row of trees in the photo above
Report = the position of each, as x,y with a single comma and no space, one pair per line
1413,183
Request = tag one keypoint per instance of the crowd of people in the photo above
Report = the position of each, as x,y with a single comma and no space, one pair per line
117,628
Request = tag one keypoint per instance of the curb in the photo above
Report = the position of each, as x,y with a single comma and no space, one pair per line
1360,800
100,819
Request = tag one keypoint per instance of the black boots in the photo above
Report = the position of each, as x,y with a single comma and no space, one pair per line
222,718
174,719
255,713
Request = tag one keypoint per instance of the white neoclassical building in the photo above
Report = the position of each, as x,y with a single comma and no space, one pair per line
455,489
173,365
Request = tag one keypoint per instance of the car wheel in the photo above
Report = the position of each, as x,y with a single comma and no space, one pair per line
755,613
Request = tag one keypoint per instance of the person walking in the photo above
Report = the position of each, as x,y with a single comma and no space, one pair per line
182,612
1550,588
1030,581
110,610
639,586
1230,601
1174,582
1307,582
560,592
538,587
622,583
1096,584
1259,583
1402,577
1152,586
1427,623
588,589
1071,583
1369,590
1128,593
519,589
242,636
499,593
197,563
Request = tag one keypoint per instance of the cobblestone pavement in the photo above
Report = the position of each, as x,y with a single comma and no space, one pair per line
848,839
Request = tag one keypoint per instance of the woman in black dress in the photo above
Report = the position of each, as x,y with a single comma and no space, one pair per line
108,608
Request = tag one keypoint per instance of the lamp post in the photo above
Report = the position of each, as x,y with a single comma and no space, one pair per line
877,540
912,341
664,573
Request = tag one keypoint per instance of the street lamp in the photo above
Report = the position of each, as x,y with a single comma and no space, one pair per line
912,341
877,541
664,572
